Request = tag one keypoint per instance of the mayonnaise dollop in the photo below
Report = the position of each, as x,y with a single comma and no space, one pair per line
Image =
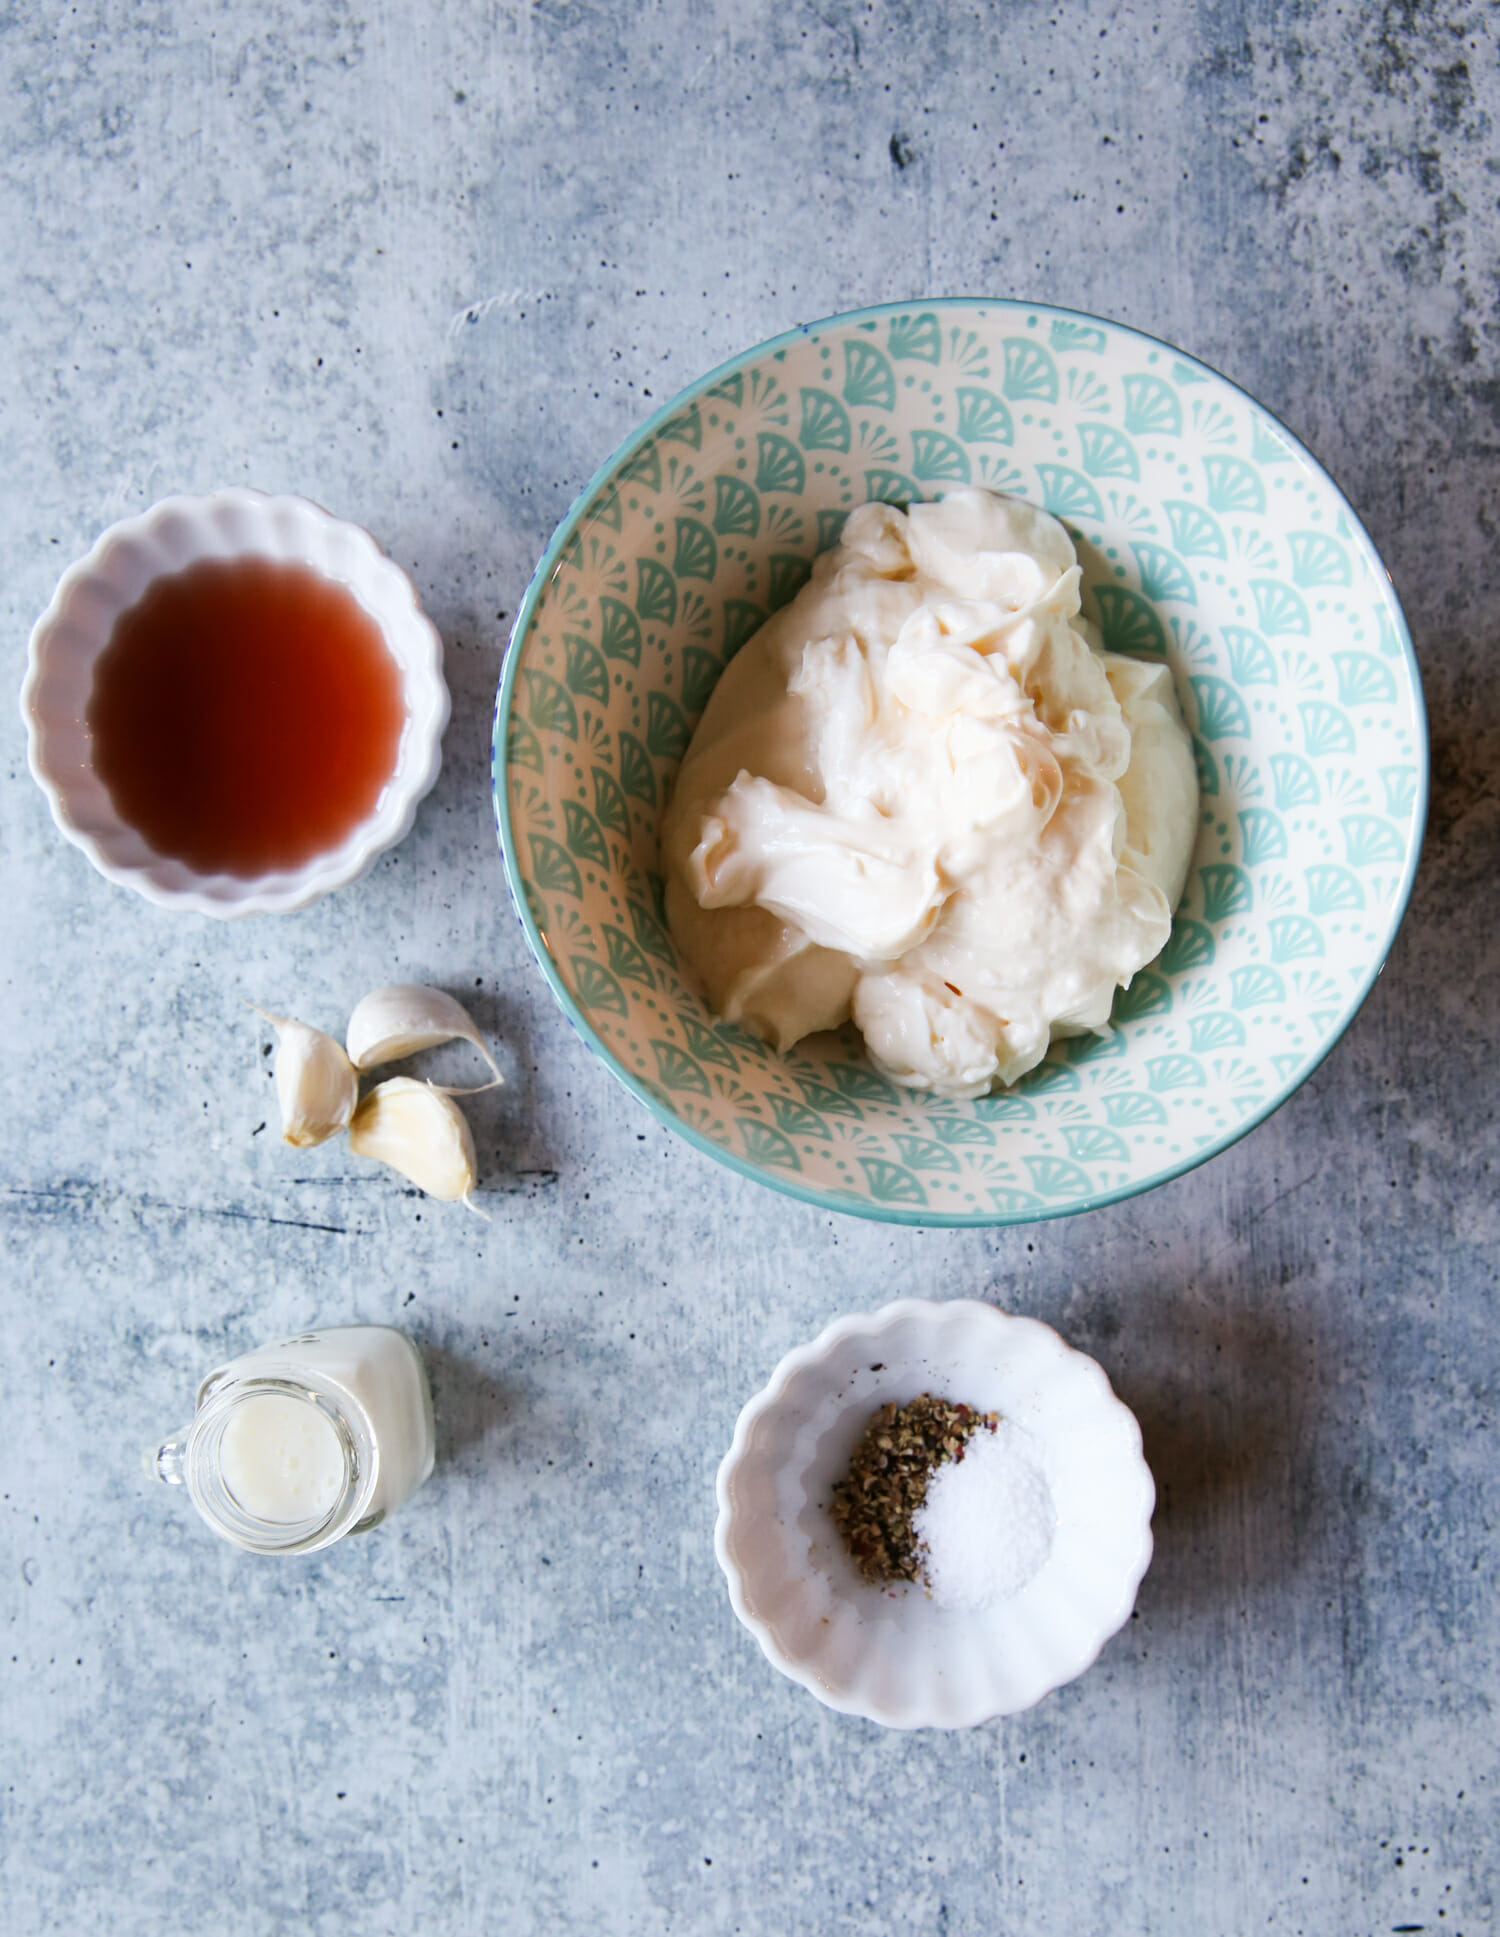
923,796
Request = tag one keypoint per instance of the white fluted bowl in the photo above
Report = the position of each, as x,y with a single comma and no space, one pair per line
68,639
892,1654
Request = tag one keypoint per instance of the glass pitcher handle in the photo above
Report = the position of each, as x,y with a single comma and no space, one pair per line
168,1462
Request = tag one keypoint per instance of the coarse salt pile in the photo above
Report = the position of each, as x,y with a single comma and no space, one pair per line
987,1523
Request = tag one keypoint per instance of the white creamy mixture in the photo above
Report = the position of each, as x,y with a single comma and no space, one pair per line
923,796
281,1459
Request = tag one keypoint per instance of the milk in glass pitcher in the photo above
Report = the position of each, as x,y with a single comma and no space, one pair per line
294,1446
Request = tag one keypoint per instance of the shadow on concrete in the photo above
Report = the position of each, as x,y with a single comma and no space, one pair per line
1226,1391
508,1122
471,1408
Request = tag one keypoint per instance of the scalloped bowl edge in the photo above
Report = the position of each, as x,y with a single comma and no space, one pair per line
75,627
917,1712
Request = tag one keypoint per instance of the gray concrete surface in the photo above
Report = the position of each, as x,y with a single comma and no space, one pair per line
427,264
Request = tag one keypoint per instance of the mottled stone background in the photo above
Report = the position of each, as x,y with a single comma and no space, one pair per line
427,264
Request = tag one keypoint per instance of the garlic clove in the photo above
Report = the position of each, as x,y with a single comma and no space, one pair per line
316,1085
404,1017
419,1130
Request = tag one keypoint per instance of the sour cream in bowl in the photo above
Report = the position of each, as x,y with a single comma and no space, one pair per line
1222,568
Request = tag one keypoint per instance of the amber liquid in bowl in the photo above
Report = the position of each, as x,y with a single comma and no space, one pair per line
245,716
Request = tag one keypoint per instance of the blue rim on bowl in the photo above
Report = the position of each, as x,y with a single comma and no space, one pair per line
1321,566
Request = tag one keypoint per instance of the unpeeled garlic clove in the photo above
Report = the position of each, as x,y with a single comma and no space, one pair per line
419,1130
404,1017
316,1085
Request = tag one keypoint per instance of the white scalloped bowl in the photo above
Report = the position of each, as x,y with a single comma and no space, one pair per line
68,639
893,1655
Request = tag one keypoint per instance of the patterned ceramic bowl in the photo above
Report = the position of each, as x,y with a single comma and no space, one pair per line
894,1655
1209,537
76,627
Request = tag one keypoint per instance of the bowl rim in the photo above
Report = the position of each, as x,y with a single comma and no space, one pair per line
871,1326
172,884
862,1207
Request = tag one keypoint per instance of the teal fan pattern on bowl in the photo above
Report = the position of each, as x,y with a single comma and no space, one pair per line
1208,536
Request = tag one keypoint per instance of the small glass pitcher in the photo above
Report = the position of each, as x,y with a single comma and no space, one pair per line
298,1444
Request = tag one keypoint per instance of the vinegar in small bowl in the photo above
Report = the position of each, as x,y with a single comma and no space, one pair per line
245,716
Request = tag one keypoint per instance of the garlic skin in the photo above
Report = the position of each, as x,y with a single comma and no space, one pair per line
316,1084
419,1130
404,1017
